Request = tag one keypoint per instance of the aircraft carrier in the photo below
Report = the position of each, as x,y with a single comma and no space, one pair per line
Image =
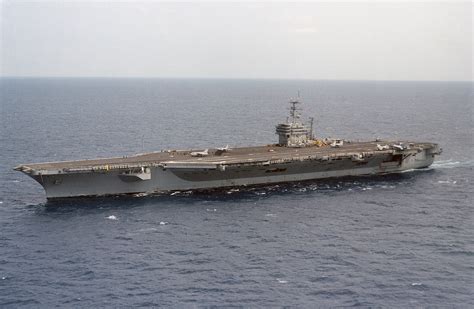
297,156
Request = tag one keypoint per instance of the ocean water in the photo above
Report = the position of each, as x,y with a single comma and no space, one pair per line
402,240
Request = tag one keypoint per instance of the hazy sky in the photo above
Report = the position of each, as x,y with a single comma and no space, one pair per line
317,40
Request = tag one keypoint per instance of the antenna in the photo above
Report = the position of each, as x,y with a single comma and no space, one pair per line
294,109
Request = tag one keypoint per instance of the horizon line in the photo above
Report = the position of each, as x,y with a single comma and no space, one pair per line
230,78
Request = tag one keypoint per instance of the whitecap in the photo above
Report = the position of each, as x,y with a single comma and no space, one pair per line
282,281
446,164
270,215
213,209
416,284
163,223
149,229
140,194
453,182
1,202
112,217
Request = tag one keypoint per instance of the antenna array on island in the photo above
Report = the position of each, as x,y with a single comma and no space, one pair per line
295,115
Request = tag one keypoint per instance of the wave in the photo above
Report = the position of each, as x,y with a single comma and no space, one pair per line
453,182
445,164
143,194
451,164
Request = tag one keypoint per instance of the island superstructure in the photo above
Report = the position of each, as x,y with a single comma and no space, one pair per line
298,156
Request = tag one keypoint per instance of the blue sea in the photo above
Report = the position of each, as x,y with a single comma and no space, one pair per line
404,240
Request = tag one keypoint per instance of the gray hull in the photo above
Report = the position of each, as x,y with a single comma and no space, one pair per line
165,178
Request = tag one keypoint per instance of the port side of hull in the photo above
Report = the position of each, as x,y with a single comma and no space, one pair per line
164,180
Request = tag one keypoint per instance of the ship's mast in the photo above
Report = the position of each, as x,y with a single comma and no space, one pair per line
311,121
294,114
